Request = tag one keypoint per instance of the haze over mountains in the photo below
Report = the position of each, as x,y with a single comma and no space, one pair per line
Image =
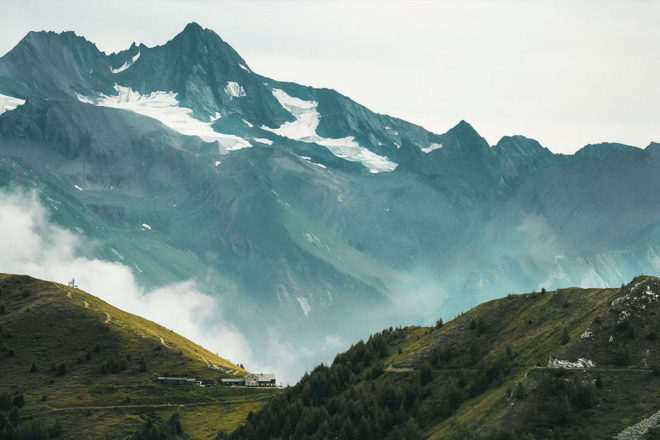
309,219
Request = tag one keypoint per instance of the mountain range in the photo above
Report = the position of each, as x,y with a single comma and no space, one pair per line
309,217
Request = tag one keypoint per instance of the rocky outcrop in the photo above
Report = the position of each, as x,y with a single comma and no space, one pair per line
637,431
580,363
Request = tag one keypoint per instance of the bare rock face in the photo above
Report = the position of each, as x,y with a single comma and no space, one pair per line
580,363
637,431
626,336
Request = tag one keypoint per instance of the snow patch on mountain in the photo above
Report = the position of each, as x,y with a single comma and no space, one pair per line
393,131
234,89
309,159
304,305
83,98
263,141
116,252
8,103
304,129
431,147
164,107
127,64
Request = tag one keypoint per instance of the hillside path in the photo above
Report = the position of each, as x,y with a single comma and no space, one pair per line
79,407
391,369
236,400
68,292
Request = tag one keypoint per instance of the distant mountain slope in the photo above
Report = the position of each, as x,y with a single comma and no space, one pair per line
52,65
570,364
298,207
72,357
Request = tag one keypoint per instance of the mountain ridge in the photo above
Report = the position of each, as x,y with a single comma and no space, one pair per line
550,364
194,33
90,369
299,207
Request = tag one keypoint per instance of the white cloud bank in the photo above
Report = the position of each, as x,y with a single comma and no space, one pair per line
30,244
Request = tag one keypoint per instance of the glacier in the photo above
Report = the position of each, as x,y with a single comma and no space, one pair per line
431,147
304,129
126,65
164,107
8,103
234,90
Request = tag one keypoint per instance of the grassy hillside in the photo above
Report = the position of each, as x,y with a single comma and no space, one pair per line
76,365
503,370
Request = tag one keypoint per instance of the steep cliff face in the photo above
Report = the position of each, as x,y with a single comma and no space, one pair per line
627,335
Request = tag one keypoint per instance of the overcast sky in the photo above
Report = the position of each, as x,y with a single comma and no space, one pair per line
565,73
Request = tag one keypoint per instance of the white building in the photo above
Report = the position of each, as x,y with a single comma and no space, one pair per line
252,380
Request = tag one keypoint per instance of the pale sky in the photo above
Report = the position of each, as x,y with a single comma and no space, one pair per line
564,73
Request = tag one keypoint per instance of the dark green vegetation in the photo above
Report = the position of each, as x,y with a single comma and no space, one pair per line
494,372
266,229
73,366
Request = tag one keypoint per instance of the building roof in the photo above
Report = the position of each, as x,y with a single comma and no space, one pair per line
176,378
261,377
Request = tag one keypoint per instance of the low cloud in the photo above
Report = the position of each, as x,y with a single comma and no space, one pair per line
291,360
31,244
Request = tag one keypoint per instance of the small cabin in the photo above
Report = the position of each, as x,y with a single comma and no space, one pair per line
251,380
190,381
260,380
